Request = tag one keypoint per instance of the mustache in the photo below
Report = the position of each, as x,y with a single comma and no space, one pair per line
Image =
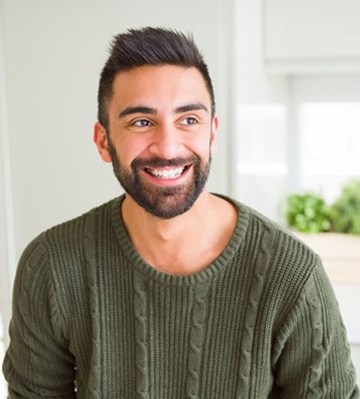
156,162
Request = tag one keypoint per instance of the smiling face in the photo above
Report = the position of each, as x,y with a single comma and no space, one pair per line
161,137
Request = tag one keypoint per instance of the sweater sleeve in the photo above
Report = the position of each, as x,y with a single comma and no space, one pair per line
314,356
37,363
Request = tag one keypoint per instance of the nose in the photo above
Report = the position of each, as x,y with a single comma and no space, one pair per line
166,142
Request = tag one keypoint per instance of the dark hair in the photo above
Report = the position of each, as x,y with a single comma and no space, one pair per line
148,46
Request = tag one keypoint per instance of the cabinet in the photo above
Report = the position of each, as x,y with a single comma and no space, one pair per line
311,36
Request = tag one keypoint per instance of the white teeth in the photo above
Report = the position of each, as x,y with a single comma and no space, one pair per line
166,173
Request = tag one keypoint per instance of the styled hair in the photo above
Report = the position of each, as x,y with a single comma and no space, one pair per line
148,46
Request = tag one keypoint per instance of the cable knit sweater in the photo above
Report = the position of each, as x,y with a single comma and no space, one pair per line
92,320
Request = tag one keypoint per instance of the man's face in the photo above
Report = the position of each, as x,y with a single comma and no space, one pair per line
160,137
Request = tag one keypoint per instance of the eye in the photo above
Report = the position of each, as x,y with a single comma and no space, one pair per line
141,123
190,120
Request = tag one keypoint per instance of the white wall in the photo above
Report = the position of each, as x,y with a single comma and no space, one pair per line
6,222
54,51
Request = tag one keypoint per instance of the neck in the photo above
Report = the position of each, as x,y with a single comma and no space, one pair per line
184,244
138,220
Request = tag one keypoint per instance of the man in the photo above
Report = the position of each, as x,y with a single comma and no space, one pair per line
170,291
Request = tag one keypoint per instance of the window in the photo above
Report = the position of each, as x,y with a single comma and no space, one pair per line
262,139
330,153
311,142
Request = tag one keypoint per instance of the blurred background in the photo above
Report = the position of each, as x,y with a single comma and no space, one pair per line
287,84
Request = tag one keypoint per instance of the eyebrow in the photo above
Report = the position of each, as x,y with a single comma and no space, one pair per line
191,107
140,109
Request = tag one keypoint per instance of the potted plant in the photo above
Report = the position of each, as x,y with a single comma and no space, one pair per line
335,229
345,212
307,213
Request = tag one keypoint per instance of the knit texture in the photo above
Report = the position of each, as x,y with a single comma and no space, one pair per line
92,320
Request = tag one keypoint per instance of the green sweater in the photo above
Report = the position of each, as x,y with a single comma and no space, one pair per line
260,322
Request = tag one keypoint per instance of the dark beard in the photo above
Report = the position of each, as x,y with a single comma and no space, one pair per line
163,202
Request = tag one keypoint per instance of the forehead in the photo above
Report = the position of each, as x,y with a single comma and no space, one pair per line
163,85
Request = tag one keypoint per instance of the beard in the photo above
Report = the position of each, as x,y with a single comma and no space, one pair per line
165,202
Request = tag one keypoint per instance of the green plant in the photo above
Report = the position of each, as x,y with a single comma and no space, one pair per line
345,212
307,213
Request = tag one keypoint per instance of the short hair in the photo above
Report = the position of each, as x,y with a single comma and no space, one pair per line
148,46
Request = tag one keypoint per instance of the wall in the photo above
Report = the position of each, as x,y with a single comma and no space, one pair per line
7,255
253,86
54,52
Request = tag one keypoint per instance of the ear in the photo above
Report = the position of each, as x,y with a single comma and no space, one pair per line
101,141
213,137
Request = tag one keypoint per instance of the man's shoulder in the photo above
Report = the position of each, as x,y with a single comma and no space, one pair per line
263,222
275,241
279,258
74,228
70,235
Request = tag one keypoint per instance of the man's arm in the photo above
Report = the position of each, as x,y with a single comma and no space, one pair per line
313,356
37,363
